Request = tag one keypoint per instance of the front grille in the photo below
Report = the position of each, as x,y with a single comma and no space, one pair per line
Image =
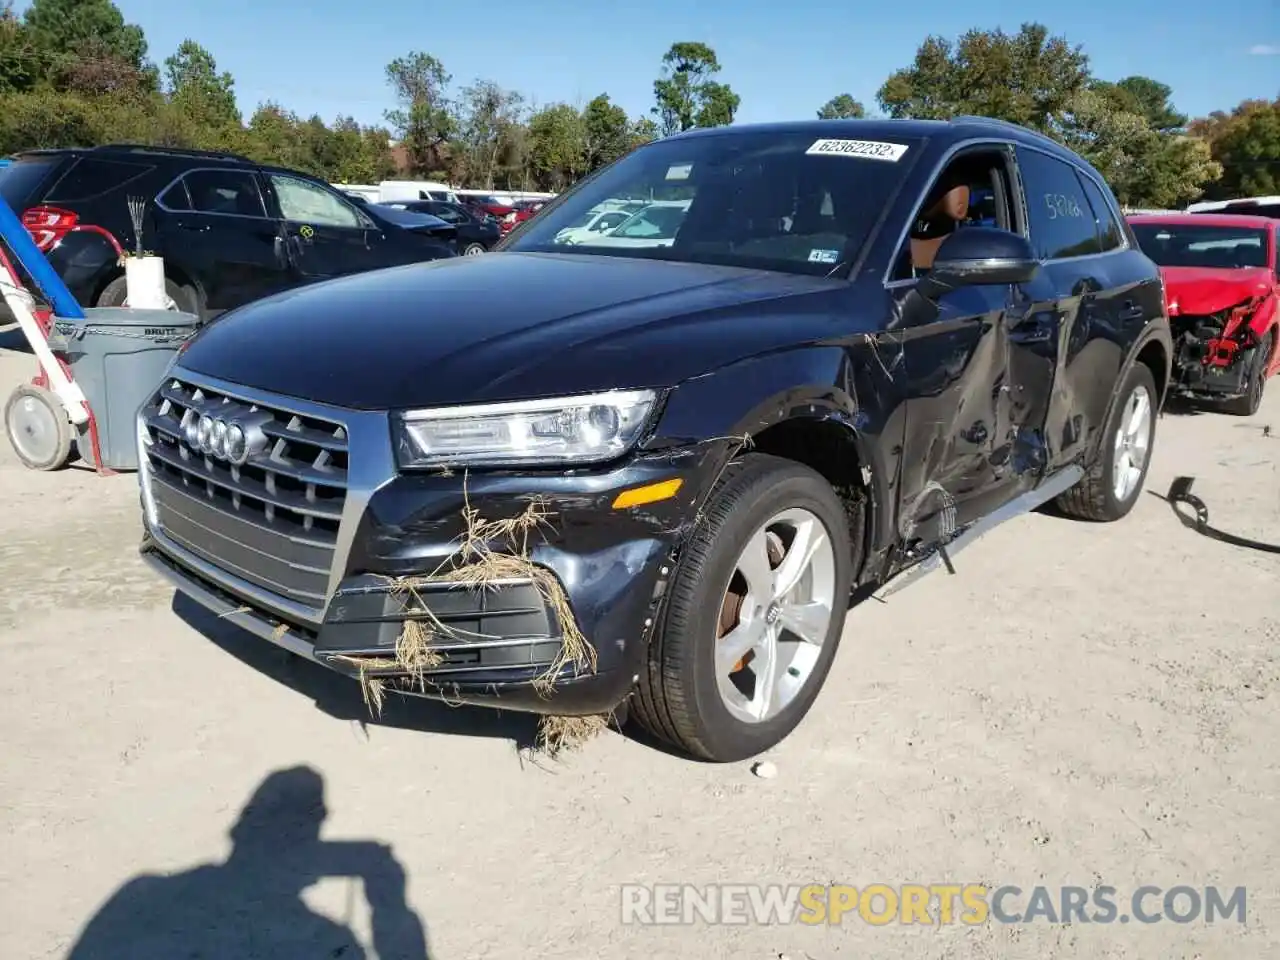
273,521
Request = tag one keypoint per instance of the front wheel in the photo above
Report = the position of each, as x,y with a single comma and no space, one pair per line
1111,487
1251,402
473,250
754,614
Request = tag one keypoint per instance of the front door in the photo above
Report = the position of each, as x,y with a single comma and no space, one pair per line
976,379
327,236
213,226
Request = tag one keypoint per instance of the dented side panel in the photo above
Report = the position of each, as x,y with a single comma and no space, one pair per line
966,410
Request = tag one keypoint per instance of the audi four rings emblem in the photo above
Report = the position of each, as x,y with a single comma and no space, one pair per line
218,438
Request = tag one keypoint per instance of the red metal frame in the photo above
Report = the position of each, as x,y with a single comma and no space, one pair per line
44,320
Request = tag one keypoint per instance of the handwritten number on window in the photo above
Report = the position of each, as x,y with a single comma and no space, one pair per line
1062,205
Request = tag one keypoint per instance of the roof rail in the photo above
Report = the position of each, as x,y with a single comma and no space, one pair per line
174,151
1007,124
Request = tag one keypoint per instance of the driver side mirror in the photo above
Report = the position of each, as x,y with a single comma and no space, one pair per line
979,255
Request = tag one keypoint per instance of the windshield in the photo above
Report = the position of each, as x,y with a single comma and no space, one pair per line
775,201
20,180
1186,245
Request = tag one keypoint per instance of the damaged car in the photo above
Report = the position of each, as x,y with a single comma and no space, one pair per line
653,479
1220,275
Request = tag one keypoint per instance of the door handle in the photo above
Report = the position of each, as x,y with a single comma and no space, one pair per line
1131,312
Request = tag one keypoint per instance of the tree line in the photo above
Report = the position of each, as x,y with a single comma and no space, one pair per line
74,73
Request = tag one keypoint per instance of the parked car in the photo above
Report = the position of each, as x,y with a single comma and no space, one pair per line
423,224
476,233
654,226
653,478
1220,274
1240,206
229,230
596,222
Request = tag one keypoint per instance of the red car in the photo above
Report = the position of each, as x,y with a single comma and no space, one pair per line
1221,290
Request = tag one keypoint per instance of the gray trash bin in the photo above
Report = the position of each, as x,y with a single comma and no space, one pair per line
118,357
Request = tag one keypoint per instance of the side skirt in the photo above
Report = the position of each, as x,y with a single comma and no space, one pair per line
1058,484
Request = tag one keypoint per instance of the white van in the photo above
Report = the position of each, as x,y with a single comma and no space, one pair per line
391,190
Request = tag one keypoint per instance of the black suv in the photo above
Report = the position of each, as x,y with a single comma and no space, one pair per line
229,230
654,472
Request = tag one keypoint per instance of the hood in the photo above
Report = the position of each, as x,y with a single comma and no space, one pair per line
509,326
1199,291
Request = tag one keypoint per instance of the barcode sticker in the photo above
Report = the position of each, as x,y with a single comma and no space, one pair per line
870,149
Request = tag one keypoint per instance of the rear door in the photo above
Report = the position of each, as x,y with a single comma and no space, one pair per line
213,223
327,235
1104,297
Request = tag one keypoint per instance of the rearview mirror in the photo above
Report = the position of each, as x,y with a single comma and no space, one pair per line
979,255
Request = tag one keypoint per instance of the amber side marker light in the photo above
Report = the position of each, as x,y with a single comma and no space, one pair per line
650,493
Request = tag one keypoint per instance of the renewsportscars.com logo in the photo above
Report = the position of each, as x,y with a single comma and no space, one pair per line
880,904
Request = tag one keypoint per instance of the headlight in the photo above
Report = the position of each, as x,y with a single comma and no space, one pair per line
559,430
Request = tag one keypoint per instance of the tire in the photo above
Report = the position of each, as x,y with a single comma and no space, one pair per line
680,698
185,298
473,250
38,428
1095,497
1249,404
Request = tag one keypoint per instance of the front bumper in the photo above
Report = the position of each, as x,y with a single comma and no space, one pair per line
1210,363
325,588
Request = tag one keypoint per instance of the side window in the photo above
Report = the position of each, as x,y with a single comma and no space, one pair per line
304,202
231,192
1060,217
175,197
609,221
92,177
1109,232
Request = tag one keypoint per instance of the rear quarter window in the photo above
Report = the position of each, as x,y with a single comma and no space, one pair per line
1110,233
91,177
23,181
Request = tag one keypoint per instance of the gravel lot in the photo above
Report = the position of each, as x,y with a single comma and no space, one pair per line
1079,705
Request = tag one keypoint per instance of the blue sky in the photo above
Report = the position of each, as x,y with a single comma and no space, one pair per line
784,59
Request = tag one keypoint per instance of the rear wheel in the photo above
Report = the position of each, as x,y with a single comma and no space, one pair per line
1111,487
473,250
38,428
754,614
1248,405
181,297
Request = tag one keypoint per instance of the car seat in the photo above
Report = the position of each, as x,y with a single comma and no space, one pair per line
937,222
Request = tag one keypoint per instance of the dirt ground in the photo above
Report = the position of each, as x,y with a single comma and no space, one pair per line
1080,704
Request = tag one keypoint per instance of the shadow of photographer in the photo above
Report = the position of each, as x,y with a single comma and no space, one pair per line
250,906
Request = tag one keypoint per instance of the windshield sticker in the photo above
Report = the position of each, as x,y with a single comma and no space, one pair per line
823,256
871,149
680,171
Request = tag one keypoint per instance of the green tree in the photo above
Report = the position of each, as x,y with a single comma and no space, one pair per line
61,30
606,132
21,64
1145,167
1028,77
196,88
556,145
643,130
1246,142
842,107
1146,97
423,121
687,94
486,115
